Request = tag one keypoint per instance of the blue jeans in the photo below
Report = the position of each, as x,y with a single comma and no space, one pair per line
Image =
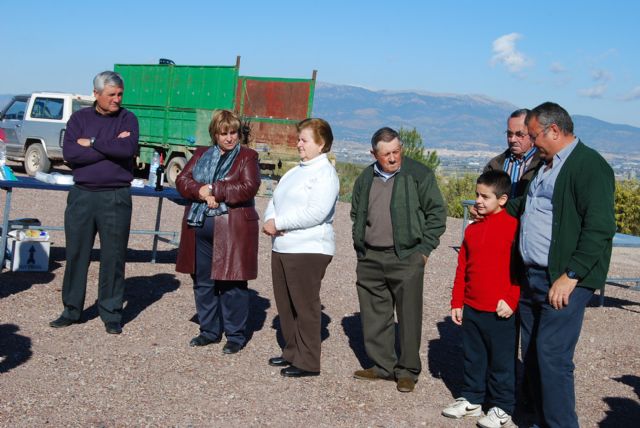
549,337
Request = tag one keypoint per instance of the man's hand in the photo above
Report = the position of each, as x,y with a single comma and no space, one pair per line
84,142
561,290
456,315
473,213
124,134
503,310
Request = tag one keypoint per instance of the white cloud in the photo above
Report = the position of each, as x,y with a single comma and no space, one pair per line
505,53
601,75
593,92
634,94
557,68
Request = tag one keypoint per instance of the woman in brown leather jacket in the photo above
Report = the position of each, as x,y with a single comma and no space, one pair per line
219,240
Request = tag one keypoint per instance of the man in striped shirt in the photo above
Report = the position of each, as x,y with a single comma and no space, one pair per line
521,159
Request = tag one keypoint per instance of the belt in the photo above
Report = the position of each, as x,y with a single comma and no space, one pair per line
536,267
376,248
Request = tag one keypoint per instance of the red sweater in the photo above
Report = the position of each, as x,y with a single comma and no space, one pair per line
483,275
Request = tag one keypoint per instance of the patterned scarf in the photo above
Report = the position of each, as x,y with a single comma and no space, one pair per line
211,167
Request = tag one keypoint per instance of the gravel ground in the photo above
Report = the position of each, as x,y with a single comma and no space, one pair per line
149,376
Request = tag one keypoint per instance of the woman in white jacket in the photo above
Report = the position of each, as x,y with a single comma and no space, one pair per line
299,219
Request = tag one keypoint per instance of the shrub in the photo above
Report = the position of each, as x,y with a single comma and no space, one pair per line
455,190
627,206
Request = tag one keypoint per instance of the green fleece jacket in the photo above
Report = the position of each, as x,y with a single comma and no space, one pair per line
418,212
583,217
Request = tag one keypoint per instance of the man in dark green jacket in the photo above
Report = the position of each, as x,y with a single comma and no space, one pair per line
398,217
566,231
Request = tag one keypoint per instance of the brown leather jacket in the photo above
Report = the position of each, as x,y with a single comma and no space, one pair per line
235,238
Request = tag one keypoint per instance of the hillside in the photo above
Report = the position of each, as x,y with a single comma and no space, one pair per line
460,122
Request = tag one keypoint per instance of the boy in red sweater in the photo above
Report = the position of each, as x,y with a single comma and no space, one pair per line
486,294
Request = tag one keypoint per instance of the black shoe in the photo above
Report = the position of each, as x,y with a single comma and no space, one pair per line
113,327
293,371
62,321
278,362
201,340
231,348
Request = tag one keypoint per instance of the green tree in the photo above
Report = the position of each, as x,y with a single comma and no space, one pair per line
413,147
627,206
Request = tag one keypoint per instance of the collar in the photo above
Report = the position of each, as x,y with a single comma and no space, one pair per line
563,154
528,155
313,161
385,176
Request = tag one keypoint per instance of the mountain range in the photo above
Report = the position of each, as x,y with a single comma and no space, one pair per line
447,121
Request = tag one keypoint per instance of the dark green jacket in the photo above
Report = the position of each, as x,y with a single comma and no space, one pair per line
583,217
418,212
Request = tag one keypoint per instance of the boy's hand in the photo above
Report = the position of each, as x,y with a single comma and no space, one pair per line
456,315
503,310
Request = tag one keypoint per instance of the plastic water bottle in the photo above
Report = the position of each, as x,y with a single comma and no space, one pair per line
153,168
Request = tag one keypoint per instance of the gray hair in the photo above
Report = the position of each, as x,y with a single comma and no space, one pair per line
549,113
386,135
107,78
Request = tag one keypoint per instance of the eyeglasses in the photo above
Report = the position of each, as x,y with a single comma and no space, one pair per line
543,131
518,134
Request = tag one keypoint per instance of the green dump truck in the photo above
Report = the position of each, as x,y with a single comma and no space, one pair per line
174,105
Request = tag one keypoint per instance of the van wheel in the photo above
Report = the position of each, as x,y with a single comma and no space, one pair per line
174,168
36,160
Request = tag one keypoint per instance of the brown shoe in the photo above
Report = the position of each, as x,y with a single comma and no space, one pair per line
406,384
370,374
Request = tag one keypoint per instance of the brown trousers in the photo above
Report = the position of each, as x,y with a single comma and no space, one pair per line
296,288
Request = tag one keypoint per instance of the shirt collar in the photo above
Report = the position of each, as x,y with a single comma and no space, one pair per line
385,176
565,152
528,155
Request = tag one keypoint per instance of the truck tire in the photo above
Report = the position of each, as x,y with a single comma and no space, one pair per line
174,167
36,160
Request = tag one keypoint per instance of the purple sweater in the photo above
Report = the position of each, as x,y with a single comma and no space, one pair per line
109,163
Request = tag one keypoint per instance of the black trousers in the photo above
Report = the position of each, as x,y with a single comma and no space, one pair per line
489,346
296,288
221,305
107,213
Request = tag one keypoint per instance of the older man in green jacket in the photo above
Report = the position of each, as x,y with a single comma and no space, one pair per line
566,232
398,217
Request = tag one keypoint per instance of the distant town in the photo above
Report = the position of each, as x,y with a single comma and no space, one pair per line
457,163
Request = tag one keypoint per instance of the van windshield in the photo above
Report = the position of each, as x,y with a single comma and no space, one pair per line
80,104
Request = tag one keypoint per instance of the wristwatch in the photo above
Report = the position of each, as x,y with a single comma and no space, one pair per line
92,140
571,274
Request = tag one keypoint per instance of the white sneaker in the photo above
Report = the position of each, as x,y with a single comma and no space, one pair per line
462,408
495,418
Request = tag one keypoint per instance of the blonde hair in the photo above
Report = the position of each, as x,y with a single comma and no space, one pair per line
224,121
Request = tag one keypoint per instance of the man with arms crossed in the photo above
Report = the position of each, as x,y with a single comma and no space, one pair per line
100,144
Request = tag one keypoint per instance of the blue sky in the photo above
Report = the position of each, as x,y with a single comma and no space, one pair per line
580,54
